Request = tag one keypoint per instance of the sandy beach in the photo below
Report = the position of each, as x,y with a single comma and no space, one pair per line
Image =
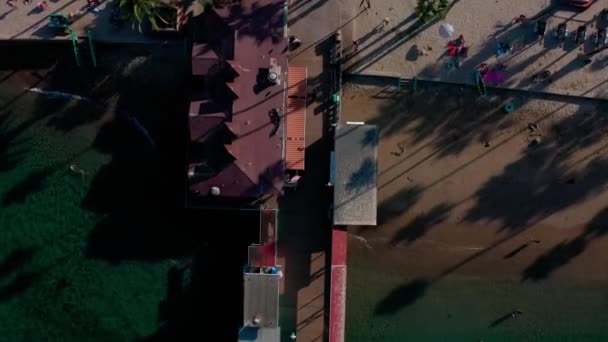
392,49
481,213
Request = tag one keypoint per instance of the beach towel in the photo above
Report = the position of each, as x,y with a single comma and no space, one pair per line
494,77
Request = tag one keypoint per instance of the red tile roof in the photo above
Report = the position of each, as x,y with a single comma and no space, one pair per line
258,27
201,125
232,182
295,143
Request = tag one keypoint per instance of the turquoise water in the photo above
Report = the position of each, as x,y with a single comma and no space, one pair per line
111,254
467,308
49,289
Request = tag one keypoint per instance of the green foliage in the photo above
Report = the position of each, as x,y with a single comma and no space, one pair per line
428,9
217,3
142,10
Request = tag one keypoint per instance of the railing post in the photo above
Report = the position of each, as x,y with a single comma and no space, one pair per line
90,35
75,46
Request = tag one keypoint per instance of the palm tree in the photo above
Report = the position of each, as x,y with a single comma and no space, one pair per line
427,9
142,10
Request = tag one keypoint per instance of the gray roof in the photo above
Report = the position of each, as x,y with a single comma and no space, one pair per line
261,299
356,169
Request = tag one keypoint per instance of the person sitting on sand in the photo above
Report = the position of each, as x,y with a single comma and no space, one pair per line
520,19
459,41
42,5
12,3
93,3
483,69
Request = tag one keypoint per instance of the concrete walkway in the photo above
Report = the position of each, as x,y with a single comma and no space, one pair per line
304,227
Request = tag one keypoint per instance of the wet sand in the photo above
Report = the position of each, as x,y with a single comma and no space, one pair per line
464,190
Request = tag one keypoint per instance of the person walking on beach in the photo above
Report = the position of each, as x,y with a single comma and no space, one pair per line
356,45
382,25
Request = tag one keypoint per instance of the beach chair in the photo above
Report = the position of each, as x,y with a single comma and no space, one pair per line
581,35
59,21
540,77
540,28
561,33
600,38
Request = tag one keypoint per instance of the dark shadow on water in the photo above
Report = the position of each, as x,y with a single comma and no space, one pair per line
147,234
12,147
133,178
33,183
211,279
17,286
80,113
402,297
16,259
502,319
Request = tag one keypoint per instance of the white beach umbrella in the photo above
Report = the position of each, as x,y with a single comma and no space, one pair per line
446,30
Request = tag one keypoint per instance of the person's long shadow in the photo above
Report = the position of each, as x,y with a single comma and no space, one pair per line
501,320
516,251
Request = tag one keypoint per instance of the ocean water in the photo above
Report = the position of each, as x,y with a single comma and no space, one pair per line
392,306
109,253
49,289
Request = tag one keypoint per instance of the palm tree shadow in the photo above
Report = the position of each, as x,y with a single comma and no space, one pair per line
557,257
34,182
422,224
12,147
402,296
398,203
16,259
18,285
564,252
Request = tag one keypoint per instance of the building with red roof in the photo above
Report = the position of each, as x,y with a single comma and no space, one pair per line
239,75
